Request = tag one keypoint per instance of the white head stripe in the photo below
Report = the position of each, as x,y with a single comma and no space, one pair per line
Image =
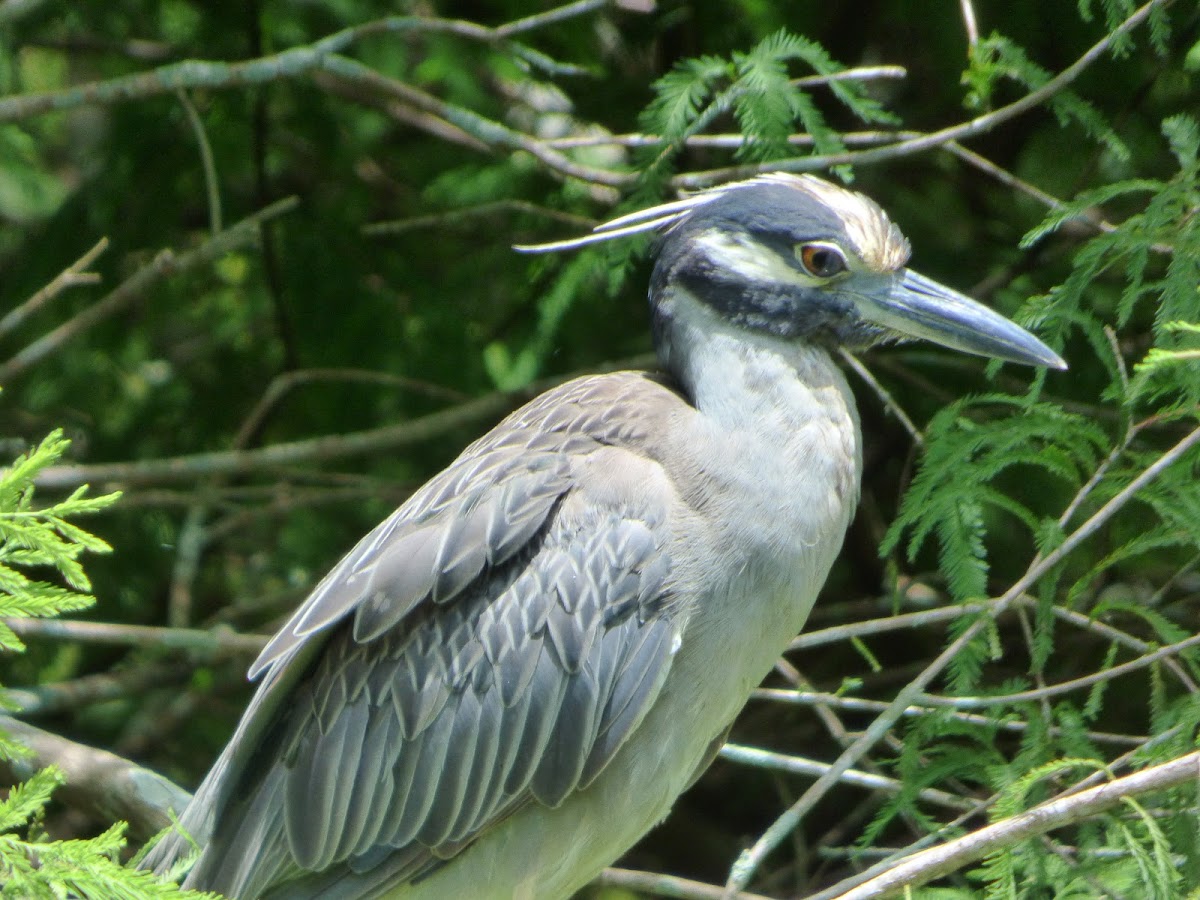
877,240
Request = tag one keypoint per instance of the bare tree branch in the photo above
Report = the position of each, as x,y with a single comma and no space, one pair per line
166,264
97,781
217,641
184,468
292,63
937,861
73,275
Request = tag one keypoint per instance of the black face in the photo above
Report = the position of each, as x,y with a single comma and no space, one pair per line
800,289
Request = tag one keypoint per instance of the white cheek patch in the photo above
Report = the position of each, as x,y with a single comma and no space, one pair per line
748,260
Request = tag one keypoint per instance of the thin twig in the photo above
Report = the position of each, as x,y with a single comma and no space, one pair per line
1116,635
165,264
492,133
659,885
400,111
860,704
938,861
795,765
138,49
858,73
211,185
285,383
720,141
189,550
1066,687
1096,477
1009,180
889,402
868,627
72,276
828,718
970,23
551,17
453,216
318,449
281,496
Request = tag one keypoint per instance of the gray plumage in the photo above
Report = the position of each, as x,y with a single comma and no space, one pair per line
510,679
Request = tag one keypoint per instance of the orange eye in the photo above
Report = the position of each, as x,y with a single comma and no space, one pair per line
821,260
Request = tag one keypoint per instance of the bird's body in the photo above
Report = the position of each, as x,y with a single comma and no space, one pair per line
511,679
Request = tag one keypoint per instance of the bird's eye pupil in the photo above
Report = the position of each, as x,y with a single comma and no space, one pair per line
821,260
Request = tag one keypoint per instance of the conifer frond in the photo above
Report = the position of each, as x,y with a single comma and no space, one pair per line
42,539
757,86
952,493
998,58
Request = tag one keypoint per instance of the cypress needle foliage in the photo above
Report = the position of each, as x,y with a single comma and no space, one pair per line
764,98
37,544
996,59
1144,269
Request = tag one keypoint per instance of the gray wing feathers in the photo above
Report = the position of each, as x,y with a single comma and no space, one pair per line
644,662
477,513
549,655
416,723
252,873
506,483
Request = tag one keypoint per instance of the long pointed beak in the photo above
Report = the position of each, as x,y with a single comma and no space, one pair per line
916,306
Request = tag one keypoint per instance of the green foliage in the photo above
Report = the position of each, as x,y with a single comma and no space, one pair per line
89,868
509,372
971,444
42,539
997,58
1143,269
768,104
1155,251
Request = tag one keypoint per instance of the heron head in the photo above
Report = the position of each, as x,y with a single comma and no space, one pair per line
796,257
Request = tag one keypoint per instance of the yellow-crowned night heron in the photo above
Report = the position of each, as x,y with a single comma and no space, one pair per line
510,680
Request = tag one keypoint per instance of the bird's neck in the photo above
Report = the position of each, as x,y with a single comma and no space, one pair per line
771,462
745,380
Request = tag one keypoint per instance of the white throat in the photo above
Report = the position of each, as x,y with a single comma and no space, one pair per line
743,379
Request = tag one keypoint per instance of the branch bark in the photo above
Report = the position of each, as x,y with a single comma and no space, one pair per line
99,782
937,861
327,447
